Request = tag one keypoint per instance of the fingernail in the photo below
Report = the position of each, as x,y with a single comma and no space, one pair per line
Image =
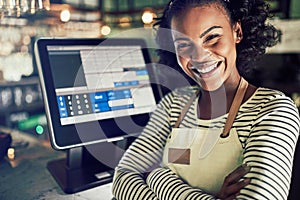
246,167
247,180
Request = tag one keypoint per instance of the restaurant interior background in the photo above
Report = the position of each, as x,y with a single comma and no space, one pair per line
21,23
21,105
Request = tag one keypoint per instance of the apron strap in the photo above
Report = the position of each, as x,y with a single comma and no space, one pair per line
238,98
186,108
237,101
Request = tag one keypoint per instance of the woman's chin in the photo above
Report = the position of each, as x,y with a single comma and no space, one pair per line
209,86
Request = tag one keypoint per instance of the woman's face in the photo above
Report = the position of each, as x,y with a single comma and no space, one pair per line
205,44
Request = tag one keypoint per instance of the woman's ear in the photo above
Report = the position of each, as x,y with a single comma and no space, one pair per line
238,32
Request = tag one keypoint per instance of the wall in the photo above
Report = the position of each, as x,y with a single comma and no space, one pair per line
295,9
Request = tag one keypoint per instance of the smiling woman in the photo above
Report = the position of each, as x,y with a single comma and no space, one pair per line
257,34
206,48
222,138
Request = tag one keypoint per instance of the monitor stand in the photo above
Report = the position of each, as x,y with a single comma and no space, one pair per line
81,171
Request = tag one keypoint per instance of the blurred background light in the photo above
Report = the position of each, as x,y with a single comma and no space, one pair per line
148,16
105,30
65,15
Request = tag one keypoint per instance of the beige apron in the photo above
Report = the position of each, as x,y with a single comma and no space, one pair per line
203,158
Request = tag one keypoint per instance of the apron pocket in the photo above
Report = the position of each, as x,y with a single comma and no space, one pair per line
177,149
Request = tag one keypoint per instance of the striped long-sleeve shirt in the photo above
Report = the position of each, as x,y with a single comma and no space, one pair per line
267,125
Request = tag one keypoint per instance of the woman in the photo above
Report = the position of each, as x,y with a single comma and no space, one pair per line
221,139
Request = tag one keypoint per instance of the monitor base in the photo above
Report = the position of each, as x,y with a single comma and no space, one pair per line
89,166
76,180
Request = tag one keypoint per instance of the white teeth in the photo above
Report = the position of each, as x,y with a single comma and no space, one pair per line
208,69
204,70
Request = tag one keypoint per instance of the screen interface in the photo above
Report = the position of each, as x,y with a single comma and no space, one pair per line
95,83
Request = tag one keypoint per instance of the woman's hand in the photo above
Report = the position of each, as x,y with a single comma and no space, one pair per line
146,174
233,183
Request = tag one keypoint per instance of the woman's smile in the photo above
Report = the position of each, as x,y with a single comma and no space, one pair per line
205,69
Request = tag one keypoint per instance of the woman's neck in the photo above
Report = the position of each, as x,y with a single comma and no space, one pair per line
213,104
216,103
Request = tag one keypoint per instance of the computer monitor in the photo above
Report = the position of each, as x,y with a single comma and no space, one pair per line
98,96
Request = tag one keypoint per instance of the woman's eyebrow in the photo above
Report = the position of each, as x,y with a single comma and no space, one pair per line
181,38
208,30
202,35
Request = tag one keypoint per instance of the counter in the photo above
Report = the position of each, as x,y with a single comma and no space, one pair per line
26,176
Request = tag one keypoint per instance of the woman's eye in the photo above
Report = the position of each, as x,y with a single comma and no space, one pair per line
211,38
182,46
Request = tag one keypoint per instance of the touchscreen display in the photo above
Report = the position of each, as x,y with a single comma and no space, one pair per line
95,83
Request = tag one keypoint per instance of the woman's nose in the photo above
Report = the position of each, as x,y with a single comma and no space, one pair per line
199,53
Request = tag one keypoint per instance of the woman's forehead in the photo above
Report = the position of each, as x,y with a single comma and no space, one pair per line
200,17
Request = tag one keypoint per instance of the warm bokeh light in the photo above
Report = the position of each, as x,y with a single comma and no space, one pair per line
148,16
65,15
125,21
105,30
11,153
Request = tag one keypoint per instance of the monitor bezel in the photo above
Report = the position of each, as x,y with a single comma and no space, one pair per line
66,137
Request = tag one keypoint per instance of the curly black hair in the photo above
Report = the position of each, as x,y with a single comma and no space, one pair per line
253,15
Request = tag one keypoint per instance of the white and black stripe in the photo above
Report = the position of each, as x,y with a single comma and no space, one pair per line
267,126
